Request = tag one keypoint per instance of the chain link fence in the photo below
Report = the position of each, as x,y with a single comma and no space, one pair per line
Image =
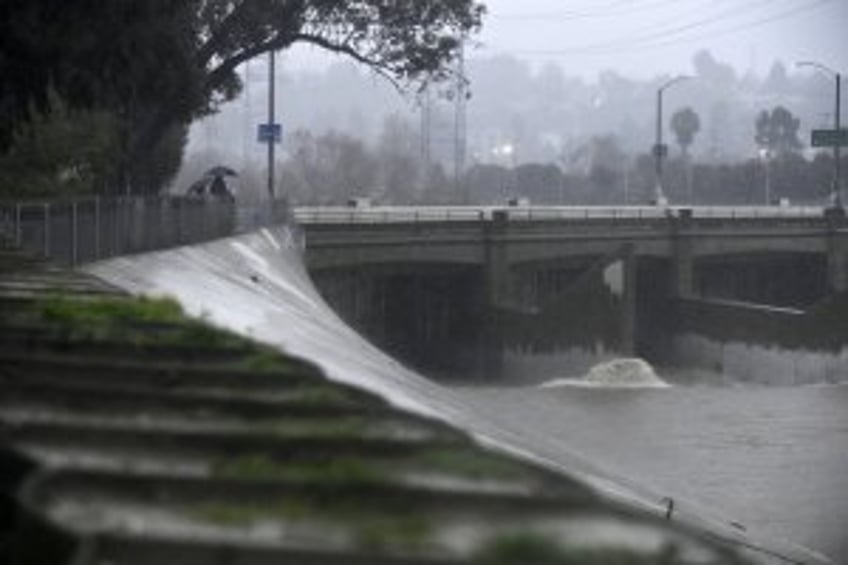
71,232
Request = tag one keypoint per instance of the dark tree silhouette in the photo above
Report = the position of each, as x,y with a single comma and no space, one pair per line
777,131
686,124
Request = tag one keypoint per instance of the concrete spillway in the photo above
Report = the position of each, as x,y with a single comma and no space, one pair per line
256,285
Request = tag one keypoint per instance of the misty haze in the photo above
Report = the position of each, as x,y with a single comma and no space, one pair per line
476,282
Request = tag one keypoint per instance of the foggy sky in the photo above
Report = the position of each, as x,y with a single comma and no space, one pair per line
644,38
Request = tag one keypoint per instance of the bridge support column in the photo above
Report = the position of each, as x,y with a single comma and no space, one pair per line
497,283
837,253
628,302
683,263
498,278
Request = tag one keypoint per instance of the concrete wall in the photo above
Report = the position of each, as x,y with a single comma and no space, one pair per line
759,344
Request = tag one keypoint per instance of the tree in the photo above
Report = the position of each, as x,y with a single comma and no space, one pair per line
59,150
603,160
329,169
398,156
685,123
158,64
777,132
541,183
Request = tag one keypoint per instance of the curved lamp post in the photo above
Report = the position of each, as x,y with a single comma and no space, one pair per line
661,150
836,193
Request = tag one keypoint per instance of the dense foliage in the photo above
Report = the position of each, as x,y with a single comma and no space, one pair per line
156,65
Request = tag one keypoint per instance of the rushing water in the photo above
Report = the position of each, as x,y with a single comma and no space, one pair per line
774,459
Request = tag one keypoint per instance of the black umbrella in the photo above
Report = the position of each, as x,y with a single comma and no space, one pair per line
221,171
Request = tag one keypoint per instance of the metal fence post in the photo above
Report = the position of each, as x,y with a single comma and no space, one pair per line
18,227
46,218
116,212
74,234
97,227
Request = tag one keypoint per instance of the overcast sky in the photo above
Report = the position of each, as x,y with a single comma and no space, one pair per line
646,37
643,38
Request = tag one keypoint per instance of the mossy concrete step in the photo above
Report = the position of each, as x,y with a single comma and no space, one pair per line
46,284
398,426
98,399
121,548
55,278
315,518
306,402
327,489
32,322
18,340
287,374
210,443
14,304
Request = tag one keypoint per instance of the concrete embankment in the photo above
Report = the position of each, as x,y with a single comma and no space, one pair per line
256,285
130,434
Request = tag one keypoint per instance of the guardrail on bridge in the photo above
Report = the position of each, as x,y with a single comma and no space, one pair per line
424,214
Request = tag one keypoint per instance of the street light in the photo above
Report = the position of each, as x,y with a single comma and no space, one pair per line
836,193
660,150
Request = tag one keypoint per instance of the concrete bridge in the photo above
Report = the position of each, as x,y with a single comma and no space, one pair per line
501,239
466,263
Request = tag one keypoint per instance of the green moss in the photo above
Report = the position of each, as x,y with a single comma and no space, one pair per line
226,514
110,310
199,334
469,462
383,532
324,395
266,360
324,428
529,547
371,528
262,467
139,321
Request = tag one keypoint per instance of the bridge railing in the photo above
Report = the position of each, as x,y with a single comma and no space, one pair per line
75,231
424,214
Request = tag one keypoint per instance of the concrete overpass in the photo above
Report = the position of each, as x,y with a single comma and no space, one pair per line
504,238
534,270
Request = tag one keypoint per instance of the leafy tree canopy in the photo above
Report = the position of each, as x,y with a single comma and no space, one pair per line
158,64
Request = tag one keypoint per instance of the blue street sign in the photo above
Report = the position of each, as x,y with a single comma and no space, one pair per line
267,132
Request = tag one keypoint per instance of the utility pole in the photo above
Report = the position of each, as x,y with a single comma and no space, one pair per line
460,124
837,166
247,141
271,121
426,128
836,141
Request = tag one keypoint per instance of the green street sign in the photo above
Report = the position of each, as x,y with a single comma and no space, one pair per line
830,138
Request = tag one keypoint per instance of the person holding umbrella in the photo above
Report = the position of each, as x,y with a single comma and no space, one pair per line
212,183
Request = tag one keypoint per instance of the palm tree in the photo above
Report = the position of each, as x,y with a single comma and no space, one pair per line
685,123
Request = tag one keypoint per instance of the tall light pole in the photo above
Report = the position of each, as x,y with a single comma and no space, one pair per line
660,150
836,193
271,119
